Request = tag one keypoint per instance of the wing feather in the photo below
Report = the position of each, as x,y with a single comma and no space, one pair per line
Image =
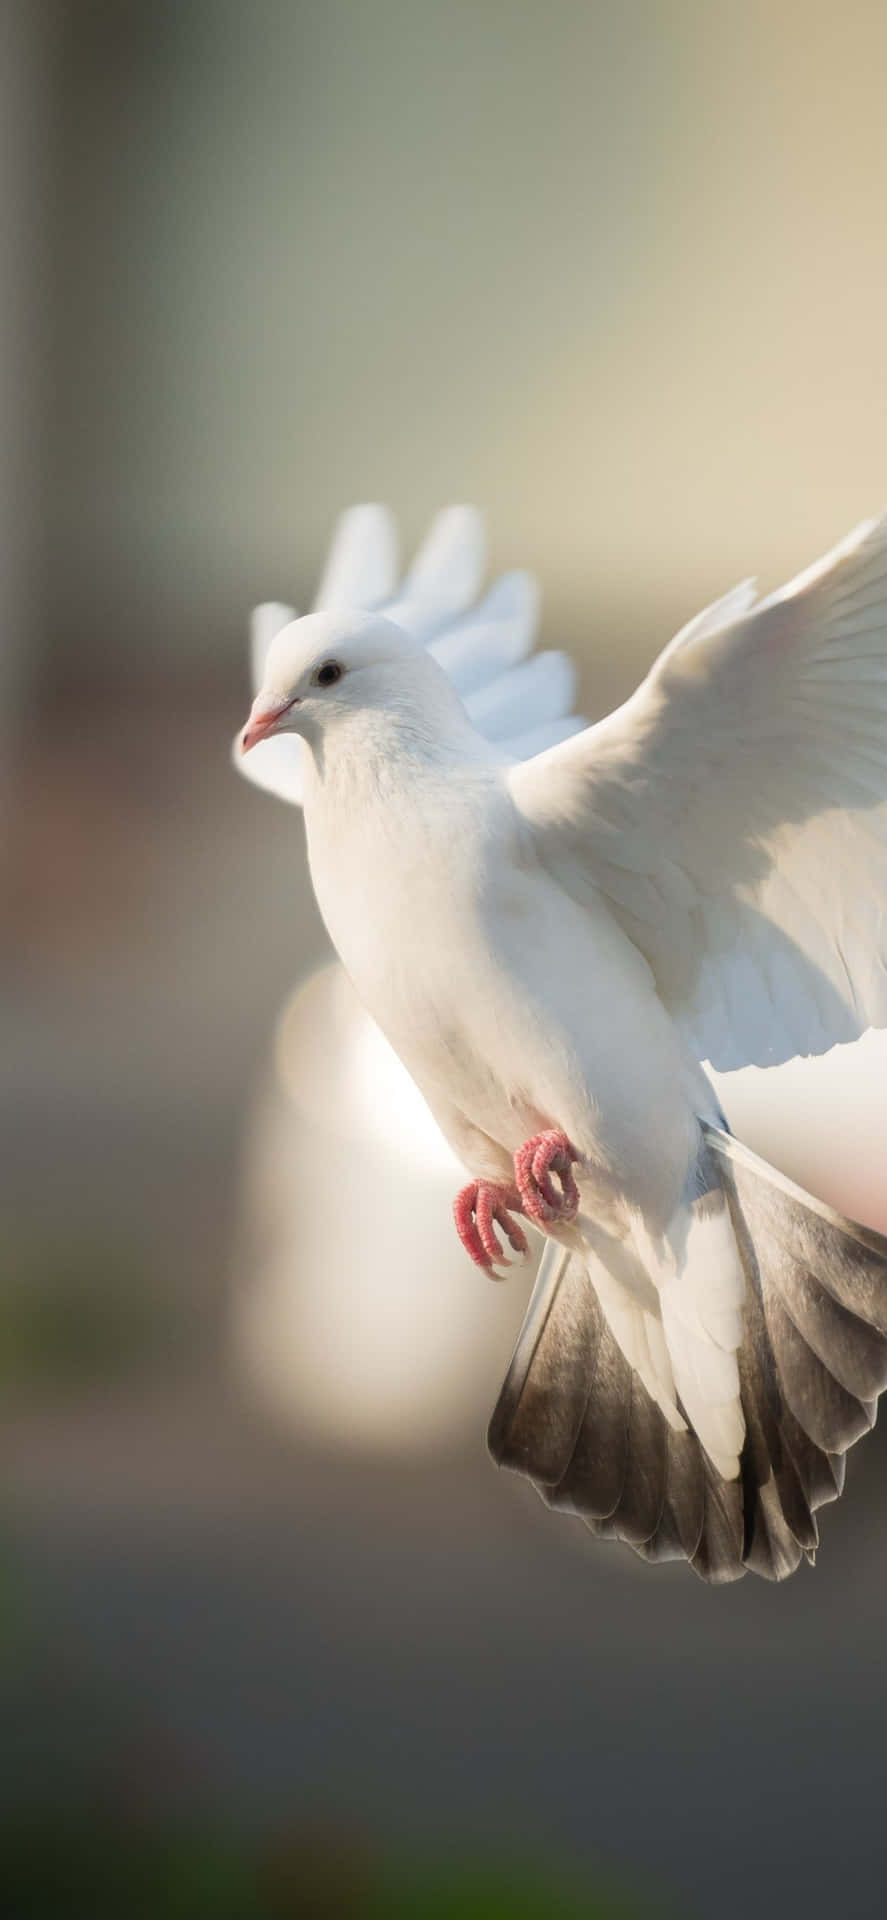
362,565
445,576
538,690
733,814
521,702
495,636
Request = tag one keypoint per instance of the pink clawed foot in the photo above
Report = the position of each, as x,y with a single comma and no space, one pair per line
478,1210
534,1163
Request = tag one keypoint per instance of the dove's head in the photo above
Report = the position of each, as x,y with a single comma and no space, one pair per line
328,665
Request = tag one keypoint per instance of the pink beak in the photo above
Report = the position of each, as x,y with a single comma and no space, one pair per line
266,713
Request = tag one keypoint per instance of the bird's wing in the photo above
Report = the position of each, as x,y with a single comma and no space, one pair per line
362,565
445,576
733,813
484,645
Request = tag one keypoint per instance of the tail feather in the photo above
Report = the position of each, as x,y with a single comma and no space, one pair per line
831,1416
777,1519
637,1516
778,1514
718,1557
821,1474
592,1480
577,1419
846,1258
849,1349
554,1360
802,1259
681,1523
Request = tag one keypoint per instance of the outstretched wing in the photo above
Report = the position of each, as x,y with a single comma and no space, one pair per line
484,645
733,814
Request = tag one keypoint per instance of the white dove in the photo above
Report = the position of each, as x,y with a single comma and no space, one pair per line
552,947
303,1347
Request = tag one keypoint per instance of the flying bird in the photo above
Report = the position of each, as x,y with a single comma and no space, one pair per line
411,1361
554,942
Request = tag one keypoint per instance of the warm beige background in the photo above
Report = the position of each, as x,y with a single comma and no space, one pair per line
618,273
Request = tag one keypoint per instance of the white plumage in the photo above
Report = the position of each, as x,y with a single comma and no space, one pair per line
559,942
734,814
479,643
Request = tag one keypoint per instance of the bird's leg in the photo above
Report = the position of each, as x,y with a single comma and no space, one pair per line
534,1163
478,1210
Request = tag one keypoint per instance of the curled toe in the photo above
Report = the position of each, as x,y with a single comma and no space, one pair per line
479,1210
545,1155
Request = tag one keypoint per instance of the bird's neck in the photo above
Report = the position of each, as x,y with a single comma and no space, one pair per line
394,804
376,754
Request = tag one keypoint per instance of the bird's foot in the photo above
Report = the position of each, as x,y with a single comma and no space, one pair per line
534,1163
478,1210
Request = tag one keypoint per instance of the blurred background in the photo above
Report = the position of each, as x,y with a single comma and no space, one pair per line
274,1636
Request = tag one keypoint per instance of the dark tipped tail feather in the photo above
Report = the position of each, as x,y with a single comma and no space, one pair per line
577,1420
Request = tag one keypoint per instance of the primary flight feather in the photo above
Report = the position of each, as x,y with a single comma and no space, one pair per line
553,946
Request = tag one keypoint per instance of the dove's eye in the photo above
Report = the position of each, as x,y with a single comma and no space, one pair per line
328,674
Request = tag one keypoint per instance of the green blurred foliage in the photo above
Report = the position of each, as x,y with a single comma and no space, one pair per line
54,1863
75,1313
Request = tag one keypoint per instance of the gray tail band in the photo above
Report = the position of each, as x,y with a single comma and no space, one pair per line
577,1421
